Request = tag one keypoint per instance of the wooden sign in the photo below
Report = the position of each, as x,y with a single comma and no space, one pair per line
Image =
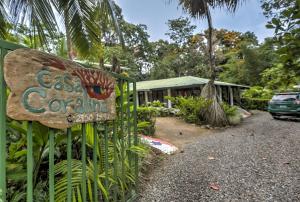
56,92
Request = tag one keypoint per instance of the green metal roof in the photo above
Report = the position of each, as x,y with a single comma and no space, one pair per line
178,82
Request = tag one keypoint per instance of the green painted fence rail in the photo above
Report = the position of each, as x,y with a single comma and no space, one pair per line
101,167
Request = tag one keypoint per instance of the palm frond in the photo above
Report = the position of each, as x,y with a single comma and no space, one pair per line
77,16
3,16
35,13
107,10
199,8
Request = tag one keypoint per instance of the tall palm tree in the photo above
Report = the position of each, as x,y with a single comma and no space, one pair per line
214,115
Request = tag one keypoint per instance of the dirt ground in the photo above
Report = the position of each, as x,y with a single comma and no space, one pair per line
178,132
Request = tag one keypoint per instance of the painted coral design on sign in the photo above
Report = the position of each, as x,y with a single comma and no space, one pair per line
56,92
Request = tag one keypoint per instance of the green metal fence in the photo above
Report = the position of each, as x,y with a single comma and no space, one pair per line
106,158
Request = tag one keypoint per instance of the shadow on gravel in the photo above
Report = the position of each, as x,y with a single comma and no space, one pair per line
292,119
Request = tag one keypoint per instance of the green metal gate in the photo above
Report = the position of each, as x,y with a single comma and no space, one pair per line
104,168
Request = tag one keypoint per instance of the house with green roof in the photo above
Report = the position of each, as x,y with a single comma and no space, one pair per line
148,91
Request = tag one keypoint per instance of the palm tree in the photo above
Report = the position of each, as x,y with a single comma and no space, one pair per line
45,17
214,114
37,15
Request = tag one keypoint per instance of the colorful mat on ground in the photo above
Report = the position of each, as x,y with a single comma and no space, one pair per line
161,145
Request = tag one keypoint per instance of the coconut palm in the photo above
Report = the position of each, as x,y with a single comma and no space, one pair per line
200,9
45,17
38,15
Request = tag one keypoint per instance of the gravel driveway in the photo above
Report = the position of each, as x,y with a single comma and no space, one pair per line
256,161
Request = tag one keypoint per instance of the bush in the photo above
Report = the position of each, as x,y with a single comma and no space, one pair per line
233,116
156,103
256,97
258,92
255,103
190,108
164,111
161,109
146,120
229,110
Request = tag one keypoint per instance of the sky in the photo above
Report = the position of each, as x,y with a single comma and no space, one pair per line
155,14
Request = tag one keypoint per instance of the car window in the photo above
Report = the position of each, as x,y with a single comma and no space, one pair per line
285,97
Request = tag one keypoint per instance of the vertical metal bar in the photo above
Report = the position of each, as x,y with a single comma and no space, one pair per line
95,152
106,163
115,163
69,164
135,134
129,123
51,165
29,163
122,137
2,130
83,159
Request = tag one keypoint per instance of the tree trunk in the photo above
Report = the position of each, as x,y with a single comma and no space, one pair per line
68,36
214,115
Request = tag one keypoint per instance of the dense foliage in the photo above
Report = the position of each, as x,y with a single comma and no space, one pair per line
16,168
239,57
255,103
90,31
191,109
119,151
146,120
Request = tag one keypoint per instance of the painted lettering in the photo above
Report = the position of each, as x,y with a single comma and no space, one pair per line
54,105
25,99
41,76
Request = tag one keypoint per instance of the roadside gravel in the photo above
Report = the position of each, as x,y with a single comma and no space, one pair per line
258,160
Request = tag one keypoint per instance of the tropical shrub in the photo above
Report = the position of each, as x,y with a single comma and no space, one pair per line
156,103
256,97
229,110
190,108
255,103
120,152
164,111
232,113
258,92
161,109
16,162
146,120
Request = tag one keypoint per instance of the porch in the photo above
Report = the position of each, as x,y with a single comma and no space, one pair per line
149,91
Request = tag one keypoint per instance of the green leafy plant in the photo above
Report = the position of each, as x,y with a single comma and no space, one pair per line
233,116
121,151
190,108
156,103
255,103
229,110
256,97
146,117
258,92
